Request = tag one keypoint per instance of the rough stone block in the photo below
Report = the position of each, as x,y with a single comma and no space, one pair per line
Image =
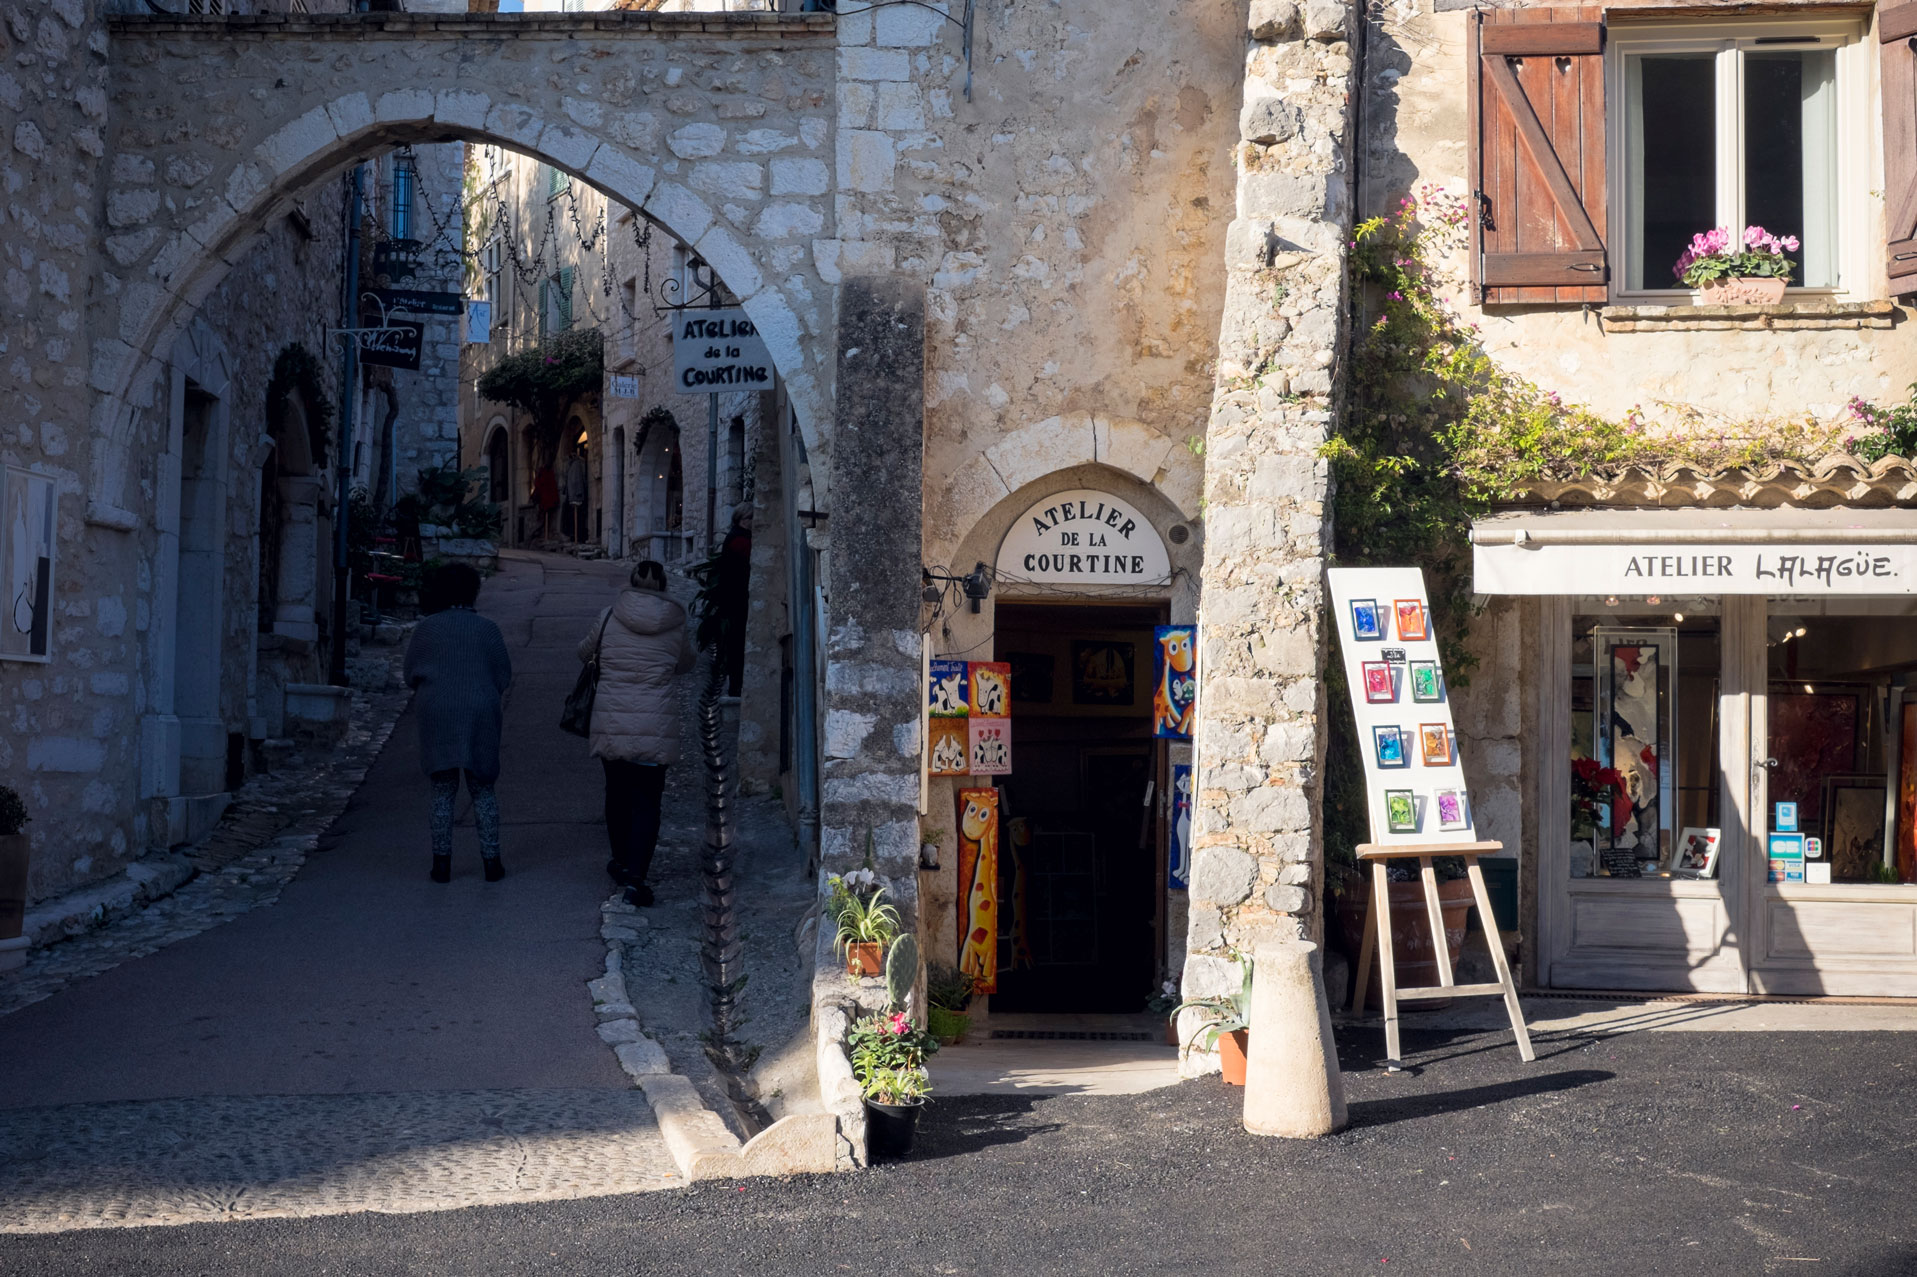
642,1058
1265,196
65,754
1326,19
1272,20
351,115
901,26
799,1144
616,171
680,211
786,221
732,260
403,105
729,179
1222,875
1268,121
799,177
868,160
296,141
1272,809
874,64
698,141
617,1032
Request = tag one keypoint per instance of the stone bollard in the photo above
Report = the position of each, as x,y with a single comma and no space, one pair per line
1292,1084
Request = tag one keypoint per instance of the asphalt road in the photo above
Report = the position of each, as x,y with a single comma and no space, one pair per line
1682,1153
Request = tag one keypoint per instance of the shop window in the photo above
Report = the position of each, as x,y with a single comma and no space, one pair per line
405,184
1841,744
1644,729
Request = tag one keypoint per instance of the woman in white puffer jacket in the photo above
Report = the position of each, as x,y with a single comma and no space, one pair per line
643,649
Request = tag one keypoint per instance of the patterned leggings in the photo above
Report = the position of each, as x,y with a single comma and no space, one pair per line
485,813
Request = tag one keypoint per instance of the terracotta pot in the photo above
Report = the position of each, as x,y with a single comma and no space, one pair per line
13,885
1171,1033
1741,291
1415,961
1231,1056
867,958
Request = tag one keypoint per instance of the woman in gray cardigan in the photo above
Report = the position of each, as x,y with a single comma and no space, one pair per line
459,671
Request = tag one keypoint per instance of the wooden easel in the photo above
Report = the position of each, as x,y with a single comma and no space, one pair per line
1378,938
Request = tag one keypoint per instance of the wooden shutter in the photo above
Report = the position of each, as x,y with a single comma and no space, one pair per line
1897,49
1537,155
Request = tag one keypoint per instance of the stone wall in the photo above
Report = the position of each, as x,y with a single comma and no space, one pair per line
1258,849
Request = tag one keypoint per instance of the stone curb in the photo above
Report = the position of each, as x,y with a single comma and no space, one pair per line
95,905
700,1143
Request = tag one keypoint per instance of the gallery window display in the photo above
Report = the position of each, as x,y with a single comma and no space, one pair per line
1841,752
1644,740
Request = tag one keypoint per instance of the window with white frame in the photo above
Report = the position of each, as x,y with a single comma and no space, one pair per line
1738,124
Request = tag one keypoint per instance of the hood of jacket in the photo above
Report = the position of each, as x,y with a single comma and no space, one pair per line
647,612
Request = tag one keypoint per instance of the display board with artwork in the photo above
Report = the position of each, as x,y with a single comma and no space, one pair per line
1414,776
968,725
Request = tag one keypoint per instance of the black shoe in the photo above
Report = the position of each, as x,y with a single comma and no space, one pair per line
639,895
442,868
494,869
617,872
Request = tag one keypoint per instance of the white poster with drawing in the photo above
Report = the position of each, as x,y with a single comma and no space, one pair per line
28,508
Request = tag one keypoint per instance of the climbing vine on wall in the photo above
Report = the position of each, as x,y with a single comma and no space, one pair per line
298,371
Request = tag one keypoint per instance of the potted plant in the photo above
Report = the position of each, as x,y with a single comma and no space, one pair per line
1227,1025
949,992
1164,1002
930,840
888,1059
866,924
13,866
1727,272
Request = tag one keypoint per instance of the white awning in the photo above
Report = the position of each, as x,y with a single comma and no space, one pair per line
1696,551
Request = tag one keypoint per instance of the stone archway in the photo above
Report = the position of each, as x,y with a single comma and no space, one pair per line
663,112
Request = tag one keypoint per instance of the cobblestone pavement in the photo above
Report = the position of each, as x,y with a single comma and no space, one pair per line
259,845
205,1160
372,1041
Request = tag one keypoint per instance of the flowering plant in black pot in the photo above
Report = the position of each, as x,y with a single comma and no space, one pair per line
888,1059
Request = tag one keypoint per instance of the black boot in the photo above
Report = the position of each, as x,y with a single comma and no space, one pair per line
639,895
617,872
495,870
442,868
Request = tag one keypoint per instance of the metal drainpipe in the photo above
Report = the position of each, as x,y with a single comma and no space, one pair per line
799,600
348,396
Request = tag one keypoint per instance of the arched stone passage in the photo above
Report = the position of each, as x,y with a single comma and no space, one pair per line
672,114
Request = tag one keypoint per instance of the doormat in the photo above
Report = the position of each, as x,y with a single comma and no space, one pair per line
1075,1035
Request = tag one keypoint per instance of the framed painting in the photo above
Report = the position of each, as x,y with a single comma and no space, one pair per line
989,742
1695,855
1174,681
991,688
949,693
1854,813
1381,685
1427,682
1388,745
978,886
1414,624
1401,811
1436,745
1452,812
1366,624
28,507
951,748
1178,866
1102,673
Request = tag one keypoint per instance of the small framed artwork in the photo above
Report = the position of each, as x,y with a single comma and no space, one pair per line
1401,811
1427,681
1452,812
1380,687
1365,621
1389,744
1412,624
1435,743
1786,818
1696,853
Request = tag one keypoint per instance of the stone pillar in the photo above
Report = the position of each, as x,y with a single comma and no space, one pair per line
1258,849
870,768
294,610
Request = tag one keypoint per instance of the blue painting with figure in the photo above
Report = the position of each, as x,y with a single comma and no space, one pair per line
1178,868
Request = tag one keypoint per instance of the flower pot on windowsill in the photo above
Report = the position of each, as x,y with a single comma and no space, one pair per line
1742,290
866,958
891,1128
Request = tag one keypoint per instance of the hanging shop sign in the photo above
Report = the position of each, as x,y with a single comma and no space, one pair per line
1692,568
1083,537
715,351
397,345
1414,779
416,301
623,385
479,323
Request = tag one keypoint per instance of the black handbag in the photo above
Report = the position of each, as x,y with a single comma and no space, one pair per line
576,717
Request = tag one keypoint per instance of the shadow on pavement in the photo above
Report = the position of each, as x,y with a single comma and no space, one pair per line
1404,1108
968,1124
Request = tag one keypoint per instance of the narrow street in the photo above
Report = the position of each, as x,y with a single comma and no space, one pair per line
373,1040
